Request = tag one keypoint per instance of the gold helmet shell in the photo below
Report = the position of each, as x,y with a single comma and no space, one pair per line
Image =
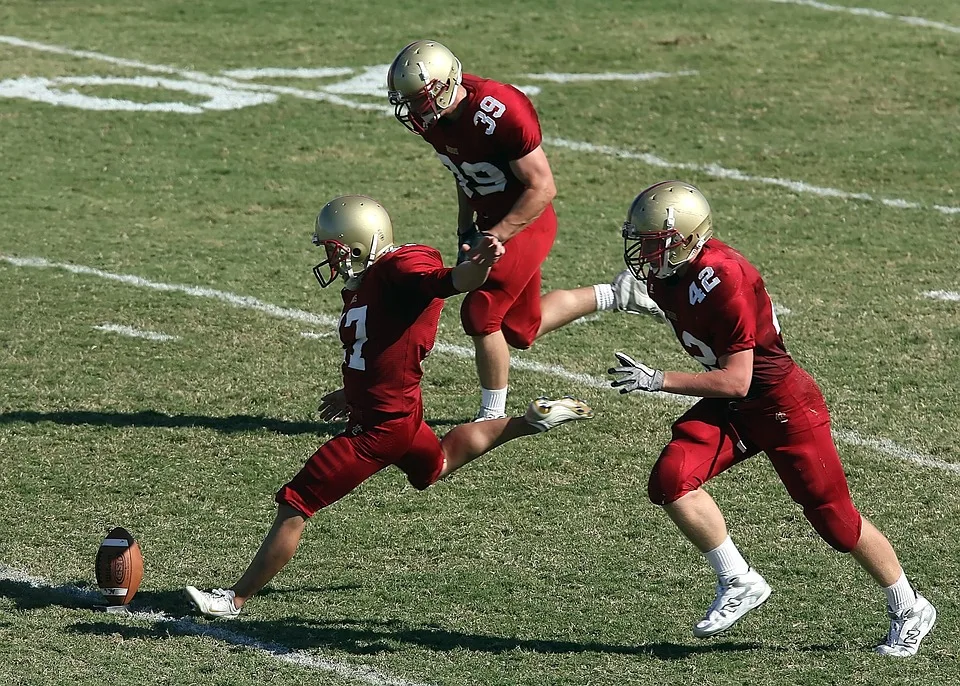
666,227
354,230
422,82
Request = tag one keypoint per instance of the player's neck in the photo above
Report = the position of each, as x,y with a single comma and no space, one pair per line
457,106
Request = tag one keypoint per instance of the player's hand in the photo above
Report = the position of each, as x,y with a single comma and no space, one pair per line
470,237
333,406
636,376
485,252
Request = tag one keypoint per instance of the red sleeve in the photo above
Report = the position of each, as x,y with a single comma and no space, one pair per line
734,311
518,128
420,268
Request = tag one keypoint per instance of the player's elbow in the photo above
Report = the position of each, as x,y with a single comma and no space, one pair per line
549,190
739,385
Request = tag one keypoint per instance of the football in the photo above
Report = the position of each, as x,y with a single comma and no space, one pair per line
119,567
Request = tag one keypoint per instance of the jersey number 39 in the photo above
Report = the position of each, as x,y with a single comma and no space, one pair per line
481,178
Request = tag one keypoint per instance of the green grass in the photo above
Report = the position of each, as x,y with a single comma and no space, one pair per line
543,563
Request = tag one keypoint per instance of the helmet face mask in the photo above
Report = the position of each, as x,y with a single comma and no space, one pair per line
666,227
422,82
420,112
337,263
354,231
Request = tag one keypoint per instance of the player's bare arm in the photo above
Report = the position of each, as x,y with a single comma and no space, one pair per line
533,171
472,273
731,378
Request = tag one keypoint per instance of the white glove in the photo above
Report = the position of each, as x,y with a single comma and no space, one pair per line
636,375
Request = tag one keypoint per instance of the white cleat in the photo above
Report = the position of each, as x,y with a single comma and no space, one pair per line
908,628
217,603
544,414
486,415
630,295
736,596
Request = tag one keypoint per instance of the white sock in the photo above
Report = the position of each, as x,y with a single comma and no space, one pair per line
493,402
901,595
604,295
726,560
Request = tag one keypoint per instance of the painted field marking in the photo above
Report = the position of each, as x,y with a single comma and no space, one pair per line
952,296
876,14
315,335
190,627
135,333
609,76
361,84
882,446
716,171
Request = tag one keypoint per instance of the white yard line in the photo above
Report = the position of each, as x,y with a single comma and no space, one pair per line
879,445
952,296
719,172
876,14
190,627
135,333
326,95
608,76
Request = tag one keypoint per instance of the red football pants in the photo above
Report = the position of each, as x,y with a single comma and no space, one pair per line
510,298
791,424
347,460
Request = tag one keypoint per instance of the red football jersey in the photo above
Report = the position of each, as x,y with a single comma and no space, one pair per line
389,325
720,306
496,125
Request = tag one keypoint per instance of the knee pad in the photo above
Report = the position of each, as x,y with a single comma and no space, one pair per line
521,340
477,316
838,523
667,481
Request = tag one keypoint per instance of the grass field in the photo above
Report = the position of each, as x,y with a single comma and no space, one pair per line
827,143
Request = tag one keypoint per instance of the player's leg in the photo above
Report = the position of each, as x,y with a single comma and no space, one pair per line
702,447
431,459
335,469
805,457
275,552
492,357
626,294
484,310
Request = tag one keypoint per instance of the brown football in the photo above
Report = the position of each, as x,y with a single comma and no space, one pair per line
119,567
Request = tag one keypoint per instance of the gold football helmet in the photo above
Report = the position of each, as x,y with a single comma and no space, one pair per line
666,227
354,230
422,82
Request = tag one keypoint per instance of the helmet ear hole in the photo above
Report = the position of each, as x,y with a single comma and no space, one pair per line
355,252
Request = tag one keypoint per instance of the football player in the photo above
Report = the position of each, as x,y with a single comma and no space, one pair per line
392,298
755,398
488,135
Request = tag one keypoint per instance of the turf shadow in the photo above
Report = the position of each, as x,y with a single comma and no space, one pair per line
376,636
236,423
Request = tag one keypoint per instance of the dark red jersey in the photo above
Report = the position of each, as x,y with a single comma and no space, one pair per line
388,326
720,306
495,126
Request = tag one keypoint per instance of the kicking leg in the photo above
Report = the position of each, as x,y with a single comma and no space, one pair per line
467,442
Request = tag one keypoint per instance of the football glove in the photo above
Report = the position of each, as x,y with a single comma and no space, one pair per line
333,406
471,237
636,375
